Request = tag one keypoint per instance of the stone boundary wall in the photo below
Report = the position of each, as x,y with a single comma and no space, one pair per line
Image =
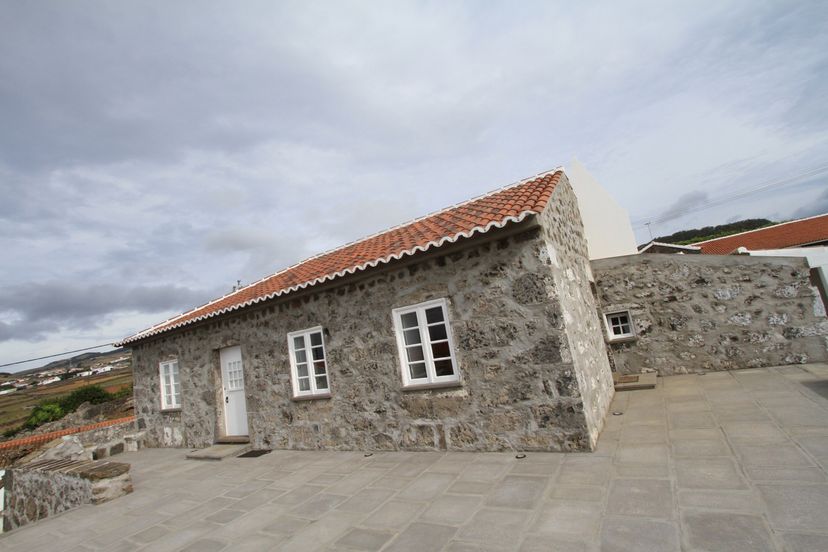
43,489
88,434
710,312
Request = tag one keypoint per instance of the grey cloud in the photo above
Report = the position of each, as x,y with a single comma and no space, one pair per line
34,309
818,206
683,204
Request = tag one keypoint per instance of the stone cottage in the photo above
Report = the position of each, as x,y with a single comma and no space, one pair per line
473,328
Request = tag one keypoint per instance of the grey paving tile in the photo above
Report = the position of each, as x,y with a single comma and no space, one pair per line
366,500
692,420
817,445
394,514
736,501
771,455
796,507
471,487
751,433
585,470
422,537
519,492
694,434
298,495
150,534
427,486
642,454
320,533
622,534
364,539
641,497
496,527
547,543
805,543
794,414
253,542
205,545
568,516
318,505
224,516
286,525
809,475
590,493
451,509
700,448
712,473
724,531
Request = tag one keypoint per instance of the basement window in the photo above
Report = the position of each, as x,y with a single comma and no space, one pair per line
170,385
619,326
308,364
425,344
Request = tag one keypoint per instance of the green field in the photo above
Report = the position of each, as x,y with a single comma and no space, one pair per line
15,407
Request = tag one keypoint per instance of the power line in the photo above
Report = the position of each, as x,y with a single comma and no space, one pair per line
732,197
56,355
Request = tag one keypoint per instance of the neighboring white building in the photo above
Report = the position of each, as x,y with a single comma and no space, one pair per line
48,381
606,224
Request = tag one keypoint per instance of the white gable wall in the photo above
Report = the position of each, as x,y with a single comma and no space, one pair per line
606,224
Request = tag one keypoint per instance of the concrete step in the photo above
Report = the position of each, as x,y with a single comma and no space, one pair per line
219,451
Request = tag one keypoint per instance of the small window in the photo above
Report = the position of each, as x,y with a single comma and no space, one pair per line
308,364
170,385
425,345
619,325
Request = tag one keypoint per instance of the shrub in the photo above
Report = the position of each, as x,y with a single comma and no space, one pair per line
43,413
123,392
89,393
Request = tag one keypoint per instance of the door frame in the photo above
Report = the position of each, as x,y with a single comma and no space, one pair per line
221,397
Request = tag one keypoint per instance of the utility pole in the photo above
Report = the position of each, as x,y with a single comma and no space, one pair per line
650,230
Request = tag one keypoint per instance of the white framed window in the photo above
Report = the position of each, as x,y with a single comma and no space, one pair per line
308,363
170,385
619,325
425,344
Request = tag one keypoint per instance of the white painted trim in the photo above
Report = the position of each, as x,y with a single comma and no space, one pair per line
170,364
294,373
674,245
162,326
613,337
425,340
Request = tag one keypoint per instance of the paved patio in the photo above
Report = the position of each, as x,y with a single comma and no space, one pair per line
724,461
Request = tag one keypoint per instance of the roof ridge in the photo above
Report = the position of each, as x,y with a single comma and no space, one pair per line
760,229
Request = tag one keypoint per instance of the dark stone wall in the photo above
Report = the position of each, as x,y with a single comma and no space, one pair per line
519,384
711,312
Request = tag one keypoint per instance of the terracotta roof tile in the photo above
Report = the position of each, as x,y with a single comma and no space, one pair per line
779,236
496,209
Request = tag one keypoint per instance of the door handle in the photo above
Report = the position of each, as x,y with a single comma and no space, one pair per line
226,400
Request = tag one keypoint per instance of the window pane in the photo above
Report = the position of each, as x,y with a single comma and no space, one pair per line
409,320
316,338
438,332
301,356
304,384
302,370
299,342
440,350
318,353
319,367
443,367
417,371
415,354
175,369
321,382
434,314
412,336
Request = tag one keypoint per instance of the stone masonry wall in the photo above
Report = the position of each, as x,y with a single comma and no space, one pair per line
563,233
33,495
519,384
710,312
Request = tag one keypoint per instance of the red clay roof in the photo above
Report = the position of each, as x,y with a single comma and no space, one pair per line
779,236
496,209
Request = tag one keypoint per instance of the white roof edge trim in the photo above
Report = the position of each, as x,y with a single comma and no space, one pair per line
156,329
654,243
763,228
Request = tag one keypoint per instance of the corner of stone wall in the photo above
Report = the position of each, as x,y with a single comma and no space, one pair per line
562,230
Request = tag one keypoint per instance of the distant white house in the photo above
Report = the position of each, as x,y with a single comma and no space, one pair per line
607,225
102,369
49,381
85,374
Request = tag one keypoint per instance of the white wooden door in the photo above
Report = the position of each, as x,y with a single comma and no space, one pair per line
232,382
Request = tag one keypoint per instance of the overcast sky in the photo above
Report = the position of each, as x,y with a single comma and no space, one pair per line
152,153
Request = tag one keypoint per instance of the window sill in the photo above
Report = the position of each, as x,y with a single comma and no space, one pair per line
170,410
628,339
437,385
311,397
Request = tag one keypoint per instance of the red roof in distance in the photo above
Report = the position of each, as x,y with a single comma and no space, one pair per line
780,236
495,209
